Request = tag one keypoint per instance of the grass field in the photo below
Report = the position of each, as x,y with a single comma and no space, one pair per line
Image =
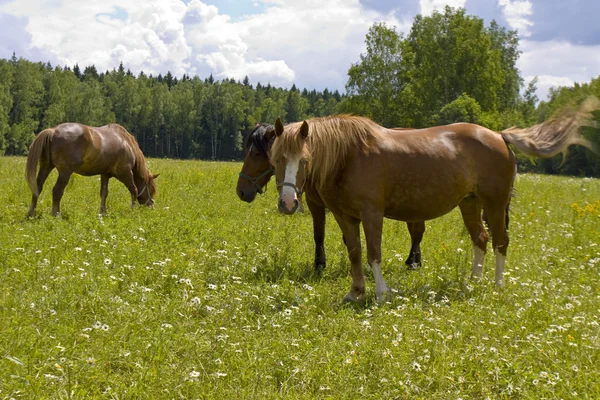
209,297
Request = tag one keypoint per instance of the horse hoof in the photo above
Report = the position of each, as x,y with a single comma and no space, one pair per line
413,266
353,299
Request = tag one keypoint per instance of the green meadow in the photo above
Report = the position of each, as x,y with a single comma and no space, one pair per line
209,297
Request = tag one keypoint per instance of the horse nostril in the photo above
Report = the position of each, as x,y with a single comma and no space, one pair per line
240,193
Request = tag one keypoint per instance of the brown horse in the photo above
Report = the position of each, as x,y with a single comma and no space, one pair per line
257,171
109,151
364,172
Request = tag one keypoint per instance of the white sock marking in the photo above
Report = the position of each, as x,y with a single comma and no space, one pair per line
478,259
380,285
500,261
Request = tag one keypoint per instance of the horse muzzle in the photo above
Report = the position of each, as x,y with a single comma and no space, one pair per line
283,208
247,195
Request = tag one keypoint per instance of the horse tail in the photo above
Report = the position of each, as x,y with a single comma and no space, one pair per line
36,149
555,135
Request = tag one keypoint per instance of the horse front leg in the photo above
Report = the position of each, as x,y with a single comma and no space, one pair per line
317,212
127,178
351,230
103,192
373,225
58,191
416,230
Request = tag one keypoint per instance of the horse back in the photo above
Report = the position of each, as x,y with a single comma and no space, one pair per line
89,150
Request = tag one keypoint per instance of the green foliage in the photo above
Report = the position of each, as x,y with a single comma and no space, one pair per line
409,81
208,297
186,118
375,82
463,109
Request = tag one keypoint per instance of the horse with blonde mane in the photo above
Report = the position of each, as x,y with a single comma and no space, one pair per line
257,172
109,151
364,172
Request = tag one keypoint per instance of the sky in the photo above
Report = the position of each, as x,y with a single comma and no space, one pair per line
309,43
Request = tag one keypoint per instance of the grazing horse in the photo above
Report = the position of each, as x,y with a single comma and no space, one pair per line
364,172
257,171
108,151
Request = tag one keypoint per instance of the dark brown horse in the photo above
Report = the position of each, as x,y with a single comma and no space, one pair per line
109,151
364,172
257,171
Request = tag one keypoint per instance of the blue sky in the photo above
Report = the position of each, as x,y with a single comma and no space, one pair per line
311,43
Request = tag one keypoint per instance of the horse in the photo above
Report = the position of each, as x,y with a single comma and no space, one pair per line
109,151
364,172
257,172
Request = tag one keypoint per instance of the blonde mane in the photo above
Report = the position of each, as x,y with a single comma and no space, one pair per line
328,142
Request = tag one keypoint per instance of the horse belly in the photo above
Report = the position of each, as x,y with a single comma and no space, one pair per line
426,200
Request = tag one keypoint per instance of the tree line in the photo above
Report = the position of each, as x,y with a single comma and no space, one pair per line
170,117
450,67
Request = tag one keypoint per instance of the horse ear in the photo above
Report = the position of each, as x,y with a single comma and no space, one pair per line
269,132
304,130
278,127
155,176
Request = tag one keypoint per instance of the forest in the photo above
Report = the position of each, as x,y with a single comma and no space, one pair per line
450,67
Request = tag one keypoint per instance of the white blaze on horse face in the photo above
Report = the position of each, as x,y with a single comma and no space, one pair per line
479,257
380,285
500,261
288,193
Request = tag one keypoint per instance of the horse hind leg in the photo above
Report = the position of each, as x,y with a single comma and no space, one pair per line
58,190
470,208
497,220
41,179
416,230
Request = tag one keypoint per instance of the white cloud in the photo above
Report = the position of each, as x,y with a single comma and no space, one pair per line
558,63
311,43
515,12
151,38
427,6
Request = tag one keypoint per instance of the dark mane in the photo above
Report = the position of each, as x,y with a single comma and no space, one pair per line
257,138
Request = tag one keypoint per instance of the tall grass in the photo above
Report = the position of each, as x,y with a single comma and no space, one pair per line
209,297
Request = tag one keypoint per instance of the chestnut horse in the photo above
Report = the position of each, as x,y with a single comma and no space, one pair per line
364,172
109,151
257,171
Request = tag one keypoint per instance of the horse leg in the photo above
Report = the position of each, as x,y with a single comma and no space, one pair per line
103,192
127,178
351,230
416,230
41,179
58,190
318,216
470,208
497,219
373,225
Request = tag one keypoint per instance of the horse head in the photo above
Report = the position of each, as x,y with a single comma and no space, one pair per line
288,155
147,190
257,169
